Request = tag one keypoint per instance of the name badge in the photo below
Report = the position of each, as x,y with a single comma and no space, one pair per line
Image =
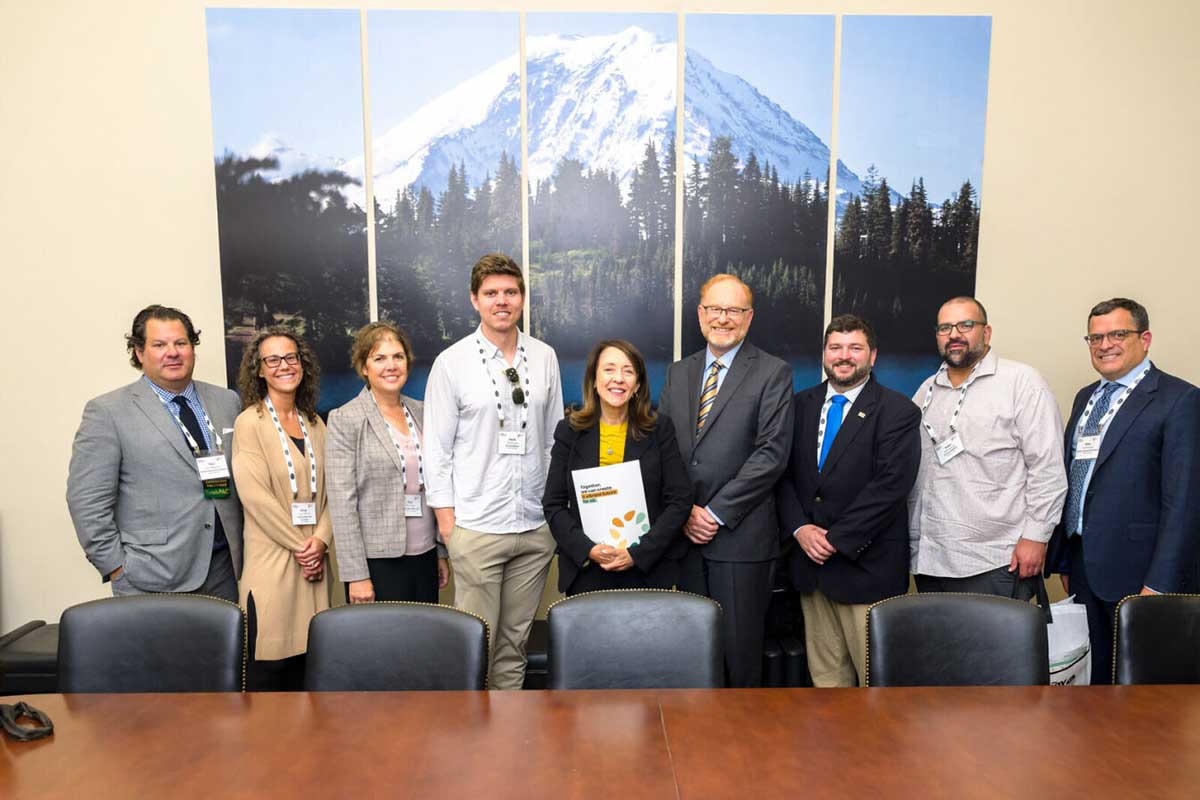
1087,448
950,448
512,443
304,513
412,505
214,474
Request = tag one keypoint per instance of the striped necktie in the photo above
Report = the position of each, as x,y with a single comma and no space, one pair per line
1078,471
708,395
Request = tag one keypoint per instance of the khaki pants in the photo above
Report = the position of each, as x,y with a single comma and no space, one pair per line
500,577
835,636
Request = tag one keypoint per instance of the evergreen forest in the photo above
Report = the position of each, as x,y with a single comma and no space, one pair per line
770,233
601,265
426,245
293,252
895,264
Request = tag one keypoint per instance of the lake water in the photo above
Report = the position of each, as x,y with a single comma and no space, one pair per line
903,373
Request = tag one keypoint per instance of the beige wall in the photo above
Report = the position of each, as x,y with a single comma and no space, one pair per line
107,205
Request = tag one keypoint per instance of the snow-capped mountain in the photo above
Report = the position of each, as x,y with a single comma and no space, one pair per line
293,162
597,99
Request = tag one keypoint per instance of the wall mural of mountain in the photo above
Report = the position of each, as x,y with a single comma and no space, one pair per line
757,179
603,179
287,122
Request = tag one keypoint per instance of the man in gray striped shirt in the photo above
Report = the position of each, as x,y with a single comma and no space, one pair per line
992,483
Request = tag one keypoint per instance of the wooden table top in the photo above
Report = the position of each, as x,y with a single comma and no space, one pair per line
759,743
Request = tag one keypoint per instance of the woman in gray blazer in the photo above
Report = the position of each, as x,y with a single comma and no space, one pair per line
385,536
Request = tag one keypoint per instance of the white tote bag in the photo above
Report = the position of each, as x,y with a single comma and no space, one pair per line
1070,651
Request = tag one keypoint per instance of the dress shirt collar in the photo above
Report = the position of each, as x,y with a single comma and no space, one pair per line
851,395
987,366
1129,377
189,393
726,360
489,347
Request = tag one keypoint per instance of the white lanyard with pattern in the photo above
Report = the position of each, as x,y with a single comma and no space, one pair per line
191,440
416,442
1113,409
523,361
309,453
1088,447
962,395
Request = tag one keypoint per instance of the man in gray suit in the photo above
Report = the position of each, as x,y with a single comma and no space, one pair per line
732,408
149,489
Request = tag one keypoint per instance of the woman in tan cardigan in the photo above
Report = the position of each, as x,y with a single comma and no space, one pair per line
278,465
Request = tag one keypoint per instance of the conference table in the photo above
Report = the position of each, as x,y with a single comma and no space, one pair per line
1029,742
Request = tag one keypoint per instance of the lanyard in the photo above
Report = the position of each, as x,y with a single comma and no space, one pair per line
1112,409
523,361
309,453
962,395
191,440
416,442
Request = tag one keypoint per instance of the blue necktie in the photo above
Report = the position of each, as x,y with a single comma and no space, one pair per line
833,422
1079,467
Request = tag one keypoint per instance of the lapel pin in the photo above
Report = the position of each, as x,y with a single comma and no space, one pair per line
862,415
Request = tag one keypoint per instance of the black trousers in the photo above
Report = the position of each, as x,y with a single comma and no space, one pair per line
743,589
1100,614
999,582
411,578
594,579
281,675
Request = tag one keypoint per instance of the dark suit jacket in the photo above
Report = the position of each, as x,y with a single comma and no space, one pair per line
736,460
1141,512
861,497
668,498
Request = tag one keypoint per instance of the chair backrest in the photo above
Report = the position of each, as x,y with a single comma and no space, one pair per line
152,643
1157,639
634,639
396,646
954,639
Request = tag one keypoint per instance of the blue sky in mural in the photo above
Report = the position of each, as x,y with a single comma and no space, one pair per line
914,99
302,60
416,56
665,26
791,61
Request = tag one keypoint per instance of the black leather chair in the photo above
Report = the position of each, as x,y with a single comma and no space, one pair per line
29,659
952,639
634,639
152,643
1157,639
394,646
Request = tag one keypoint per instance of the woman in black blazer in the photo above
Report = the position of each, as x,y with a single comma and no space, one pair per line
616,424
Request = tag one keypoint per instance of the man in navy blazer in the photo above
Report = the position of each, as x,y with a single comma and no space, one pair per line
843,499
1132,518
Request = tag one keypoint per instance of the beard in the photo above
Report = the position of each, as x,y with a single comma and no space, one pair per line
856,377
965,358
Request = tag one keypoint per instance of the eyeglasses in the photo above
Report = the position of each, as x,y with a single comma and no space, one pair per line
733,312
1116,337
292,359
966,326
518,395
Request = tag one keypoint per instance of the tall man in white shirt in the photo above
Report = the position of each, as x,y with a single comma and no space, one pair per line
491,405
992,483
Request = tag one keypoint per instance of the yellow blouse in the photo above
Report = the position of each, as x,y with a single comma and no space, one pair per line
612,443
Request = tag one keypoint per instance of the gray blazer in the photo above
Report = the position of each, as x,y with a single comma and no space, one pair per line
743,449
363,485
135,496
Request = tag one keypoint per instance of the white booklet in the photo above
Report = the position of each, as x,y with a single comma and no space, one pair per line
612,503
